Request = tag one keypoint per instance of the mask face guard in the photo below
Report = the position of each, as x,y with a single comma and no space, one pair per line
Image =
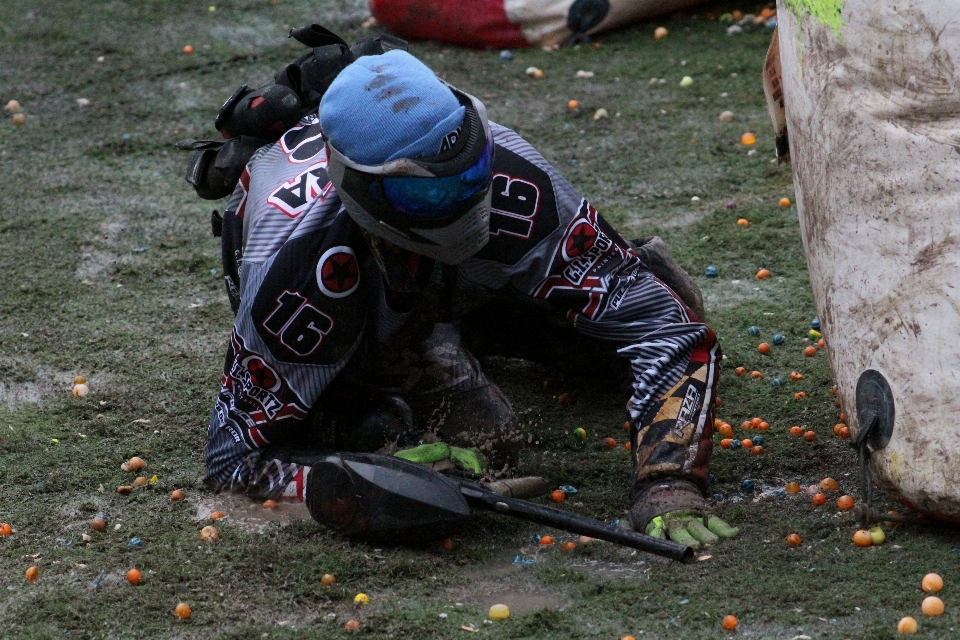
448,236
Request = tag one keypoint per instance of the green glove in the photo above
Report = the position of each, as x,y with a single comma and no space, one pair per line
686,527
441,456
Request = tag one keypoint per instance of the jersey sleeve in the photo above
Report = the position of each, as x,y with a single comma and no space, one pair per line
300,272
549,242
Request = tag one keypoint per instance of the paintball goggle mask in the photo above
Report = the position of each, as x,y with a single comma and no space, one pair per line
436,206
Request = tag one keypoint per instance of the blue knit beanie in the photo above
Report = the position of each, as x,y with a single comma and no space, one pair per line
390,106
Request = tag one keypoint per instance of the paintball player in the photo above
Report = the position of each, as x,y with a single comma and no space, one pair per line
374,241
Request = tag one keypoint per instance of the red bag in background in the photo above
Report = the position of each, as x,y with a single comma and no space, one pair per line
470,23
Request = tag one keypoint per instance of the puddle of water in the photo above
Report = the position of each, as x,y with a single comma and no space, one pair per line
249,514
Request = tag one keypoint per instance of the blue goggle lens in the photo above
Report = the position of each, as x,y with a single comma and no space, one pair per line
438,197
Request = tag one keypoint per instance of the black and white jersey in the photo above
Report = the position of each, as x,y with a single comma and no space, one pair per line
308,293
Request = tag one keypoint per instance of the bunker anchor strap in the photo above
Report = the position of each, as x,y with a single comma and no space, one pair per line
863,452
865,513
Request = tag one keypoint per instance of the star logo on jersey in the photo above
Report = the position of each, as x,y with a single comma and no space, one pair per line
580,240
338,274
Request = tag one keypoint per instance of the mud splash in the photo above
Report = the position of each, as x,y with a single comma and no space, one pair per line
249,515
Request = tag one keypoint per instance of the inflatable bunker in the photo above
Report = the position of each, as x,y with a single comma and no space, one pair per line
505,24
871,90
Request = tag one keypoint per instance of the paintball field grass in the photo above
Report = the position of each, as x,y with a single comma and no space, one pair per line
110,272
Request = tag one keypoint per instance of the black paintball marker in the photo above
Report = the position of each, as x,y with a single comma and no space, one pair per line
379,498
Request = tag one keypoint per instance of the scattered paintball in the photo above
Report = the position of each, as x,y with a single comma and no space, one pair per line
778,339
748,139
907,625
810,351
5,529
764,348
818,499
188,49
686,81
754,330
270,504
727,116
931,583
32,574
177,494
601,113
729,623
763,274
209,533
19,119
351,625
793,540
828,484
328,580
815,324
862,538
133,576
506,55
533,72
932,606
743,222
572,105
361,598
98,524
134,464
80,390
845,503
12,106
182,611
499,612
660,33
785,202
711,272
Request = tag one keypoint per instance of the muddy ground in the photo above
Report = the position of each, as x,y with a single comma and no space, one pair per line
111,272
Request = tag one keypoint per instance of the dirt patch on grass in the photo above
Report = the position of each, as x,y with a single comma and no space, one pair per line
34,385
503,582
